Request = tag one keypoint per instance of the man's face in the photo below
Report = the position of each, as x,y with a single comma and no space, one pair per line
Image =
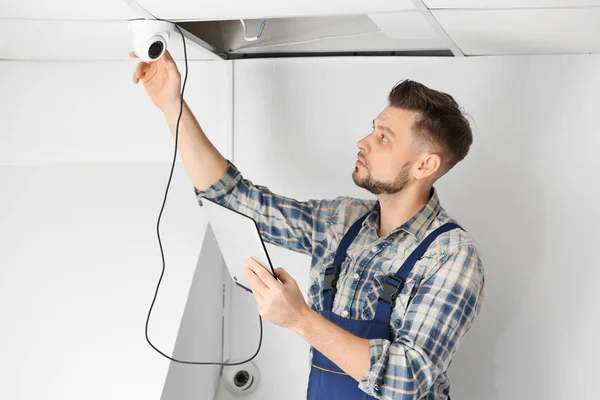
387,153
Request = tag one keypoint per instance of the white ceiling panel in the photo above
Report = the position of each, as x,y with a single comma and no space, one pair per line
186,10
66,9
489,4
79,40
406,26
541,31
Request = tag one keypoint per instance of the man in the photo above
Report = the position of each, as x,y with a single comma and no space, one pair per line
395,283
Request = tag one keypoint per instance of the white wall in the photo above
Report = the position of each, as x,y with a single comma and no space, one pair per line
84,164
526,192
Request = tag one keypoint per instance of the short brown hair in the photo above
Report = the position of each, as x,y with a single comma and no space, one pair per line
440,123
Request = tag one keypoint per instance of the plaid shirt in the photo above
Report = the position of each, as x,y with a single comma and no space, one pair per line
436,307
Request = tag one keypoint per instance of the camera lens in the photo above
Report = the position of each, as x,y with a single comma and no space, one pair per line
241,378
156,49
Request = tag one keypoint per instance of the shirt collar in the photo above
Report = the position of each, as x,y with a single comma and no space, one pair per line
418,224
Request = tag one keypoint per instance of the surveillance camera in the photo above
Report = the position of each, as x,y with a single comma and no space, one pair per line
149,38
242,379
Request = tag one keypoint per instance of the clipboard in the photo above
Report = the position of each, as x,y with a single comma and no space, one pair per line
238,238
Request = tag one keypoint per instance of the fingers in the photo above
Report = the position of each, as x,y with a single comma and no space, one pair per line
258,286
265,276
168,62
140,71
167,56
258,294
282,275
259,298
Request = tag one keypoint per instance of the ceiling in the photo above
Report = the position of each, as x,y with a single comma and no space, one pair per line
73,30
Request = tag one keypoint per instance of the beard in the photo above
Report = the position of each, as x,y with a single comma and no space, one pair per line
378,187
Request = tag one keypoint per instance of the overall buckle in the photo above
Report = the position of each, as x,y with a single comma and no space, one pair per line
391,290
330,280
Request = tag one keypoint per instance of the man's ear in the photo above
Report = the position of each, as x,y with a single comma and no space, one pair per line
429,166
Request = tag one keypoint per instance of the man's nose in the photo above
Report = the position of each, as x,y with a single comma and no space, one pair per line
363,145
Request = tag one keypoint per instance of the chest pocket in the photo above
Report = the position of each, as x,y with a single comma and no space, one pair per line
376,290
317,277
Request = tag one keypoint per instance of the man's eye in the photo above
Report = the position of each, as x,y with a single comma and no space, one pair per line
383,137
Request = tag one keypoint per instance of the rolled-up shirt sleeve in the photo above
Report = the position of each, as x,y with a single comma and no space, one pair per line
283,221
430,331
223,186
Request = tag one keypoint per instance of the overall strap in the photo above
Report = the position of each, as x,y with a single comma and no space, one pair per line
394,283
332,273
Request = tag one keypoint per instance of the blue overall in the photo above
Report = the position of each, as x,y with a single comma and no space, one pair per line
326,380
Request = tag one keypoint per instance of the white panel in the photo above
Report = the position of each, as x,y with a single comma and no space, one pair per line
549,31
236,9
200,334
66,9
405,25
483,4
78,40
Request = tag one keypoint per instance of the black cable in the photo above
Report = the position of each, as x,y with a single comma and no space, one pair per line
158,232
